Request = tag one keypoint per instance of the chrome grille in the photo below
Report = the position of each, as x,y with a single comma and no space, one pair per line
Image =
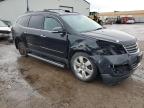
131,47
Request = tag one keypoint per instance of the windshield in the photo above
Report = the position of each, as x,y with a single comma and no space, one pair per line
81,23
2,24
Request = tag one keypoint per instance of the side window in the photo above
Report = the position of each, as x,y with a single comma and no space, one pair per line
50,24
36,22
23,21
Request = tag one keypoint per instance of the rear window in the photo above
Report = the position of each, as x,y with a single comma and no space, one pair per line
36,22
24,21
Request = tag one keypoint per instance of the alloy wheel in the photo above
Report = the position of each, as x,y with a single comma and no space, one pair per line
83,67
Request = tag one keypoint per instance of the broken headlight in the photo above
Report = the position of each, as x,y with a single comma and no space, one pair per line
109,48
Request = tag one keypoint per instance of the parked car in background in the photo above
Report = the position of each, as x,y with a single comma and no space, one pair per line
79,43
5,31
127,20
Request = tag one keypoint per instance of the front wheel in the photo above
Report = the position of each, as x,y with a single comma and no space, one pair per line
83,67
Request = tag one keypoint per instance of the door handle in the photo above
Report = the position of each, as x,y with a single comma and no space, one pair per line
42,35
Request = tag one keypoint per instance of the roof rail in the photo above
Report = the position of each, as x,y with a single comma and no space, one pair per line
56,10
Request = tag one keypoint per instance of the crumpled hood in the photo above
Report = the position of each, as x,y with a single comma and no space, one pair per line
112,35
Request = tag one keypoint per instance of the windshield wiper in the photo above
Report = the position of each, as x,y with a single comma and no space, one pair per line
94,29
99,28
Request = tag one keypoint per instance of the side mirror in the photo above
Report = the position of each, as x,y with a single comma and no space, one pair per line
58,30
9,25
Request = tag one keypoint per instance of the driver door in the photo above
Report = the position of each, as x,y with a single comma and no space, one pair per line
53,43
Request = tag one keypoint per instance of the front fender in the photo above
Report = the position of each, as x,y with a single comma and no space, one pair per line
88,46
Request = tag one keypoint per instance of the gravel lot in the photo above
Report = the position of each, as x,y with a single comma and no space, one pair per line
30,83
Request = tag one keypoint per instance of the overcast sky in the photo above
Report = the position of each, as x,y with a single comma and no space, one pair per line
116,5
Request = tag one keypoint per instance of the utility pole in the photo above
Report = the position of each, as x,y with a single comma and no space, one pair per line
27,2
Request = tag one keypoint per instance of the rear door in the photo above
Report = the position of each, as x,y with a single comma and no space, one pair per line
34,33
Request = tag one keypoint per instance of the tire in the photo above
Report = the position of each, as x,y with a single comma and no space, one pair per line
83,67
22,49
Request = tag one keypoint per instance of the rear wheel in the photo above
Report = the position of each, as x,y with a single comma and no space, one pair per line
83,67
22,49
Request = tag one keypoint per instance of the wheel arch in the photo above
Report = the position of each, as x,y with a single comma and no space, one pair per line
76,49
73,52
17,40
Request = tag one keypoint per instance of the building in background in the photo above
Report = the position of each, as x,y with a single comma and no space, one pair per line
137,15
11,9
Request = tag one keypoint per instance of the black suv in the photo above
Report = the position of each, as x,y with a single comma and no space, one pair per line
77,42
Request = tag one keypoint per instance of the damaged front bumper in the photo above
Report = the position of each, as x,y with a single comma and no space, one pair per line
115,68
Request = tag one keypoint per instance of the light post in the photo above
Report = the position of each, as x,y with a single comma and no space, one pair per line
27,2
